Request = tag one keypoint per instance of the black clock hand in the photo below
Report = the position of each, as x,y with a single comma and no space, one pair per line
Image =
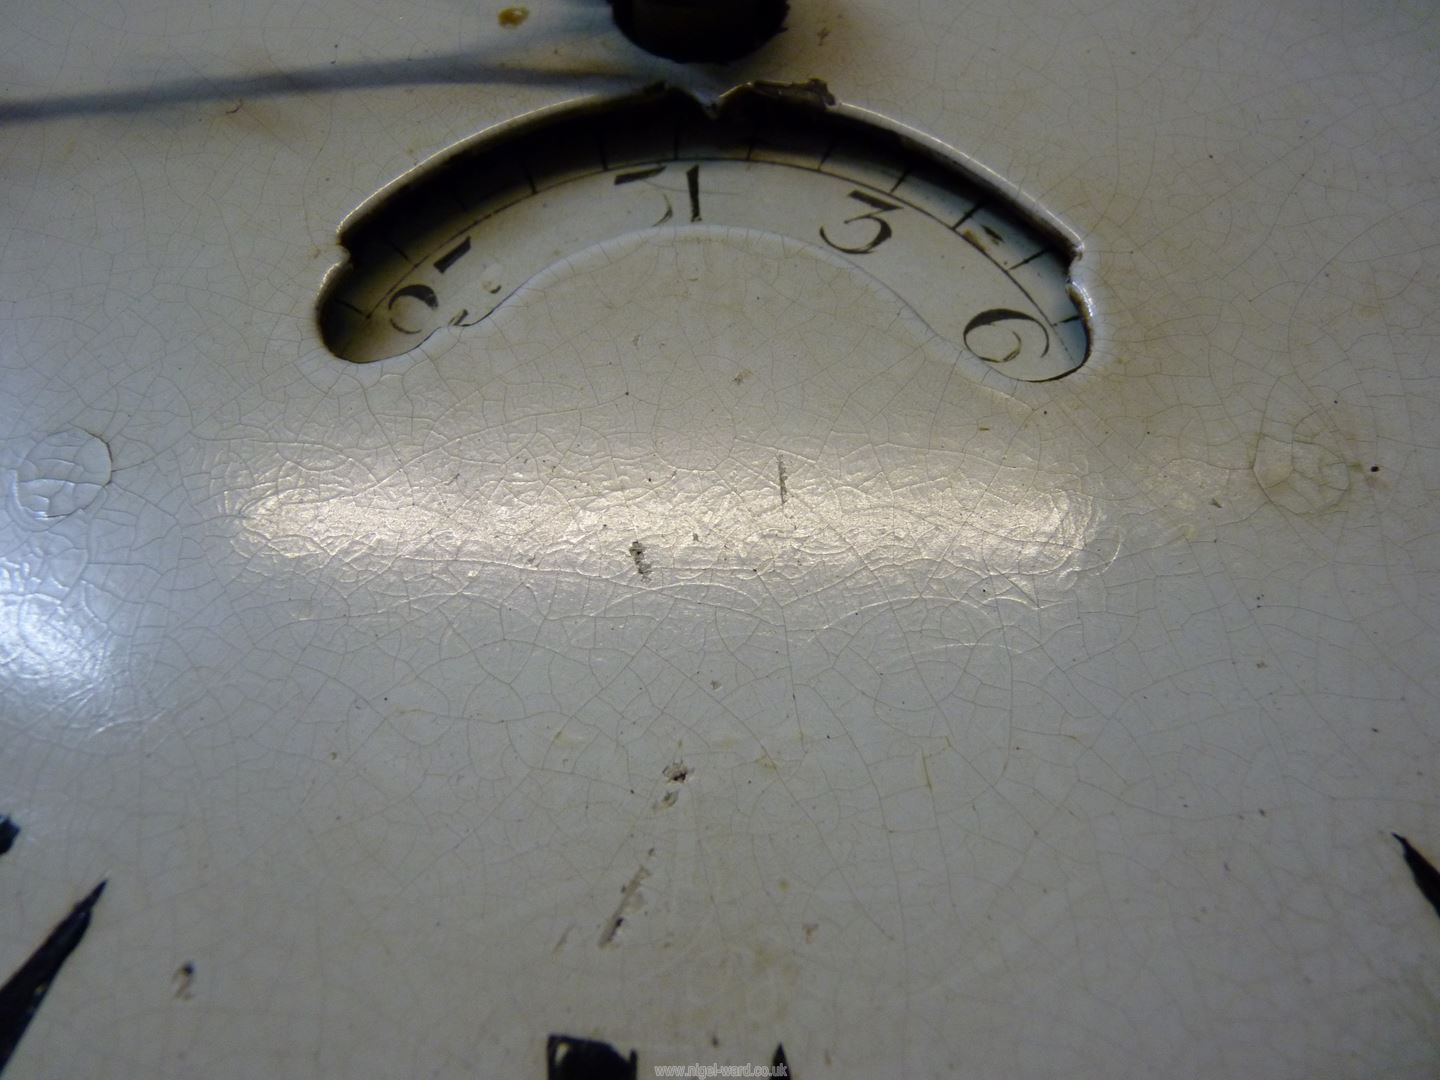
21,996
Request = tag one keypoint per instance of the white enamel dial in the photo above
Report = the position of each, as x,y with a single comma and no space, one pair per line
514,551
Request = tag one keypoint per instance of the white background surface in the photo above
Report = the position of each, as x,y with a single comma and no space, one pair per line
1053,729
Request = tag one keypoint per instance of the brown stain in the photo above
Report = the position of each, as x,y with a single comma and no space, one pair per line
677,773
1303,471
643,565
769,961
512,17
630,900
1305,457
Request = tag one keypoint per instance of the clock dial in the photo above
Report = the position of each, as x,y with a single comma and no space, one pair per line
449,245
698,634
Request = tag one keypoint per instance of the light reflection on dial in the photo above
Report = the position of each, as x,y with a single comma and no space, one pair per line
450,244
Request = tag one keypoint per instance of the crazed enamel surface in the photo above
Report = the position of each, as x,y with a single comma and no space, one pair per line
701,653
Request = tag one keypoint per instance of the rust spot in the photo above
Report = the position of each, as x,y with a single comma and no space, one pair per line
512,17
